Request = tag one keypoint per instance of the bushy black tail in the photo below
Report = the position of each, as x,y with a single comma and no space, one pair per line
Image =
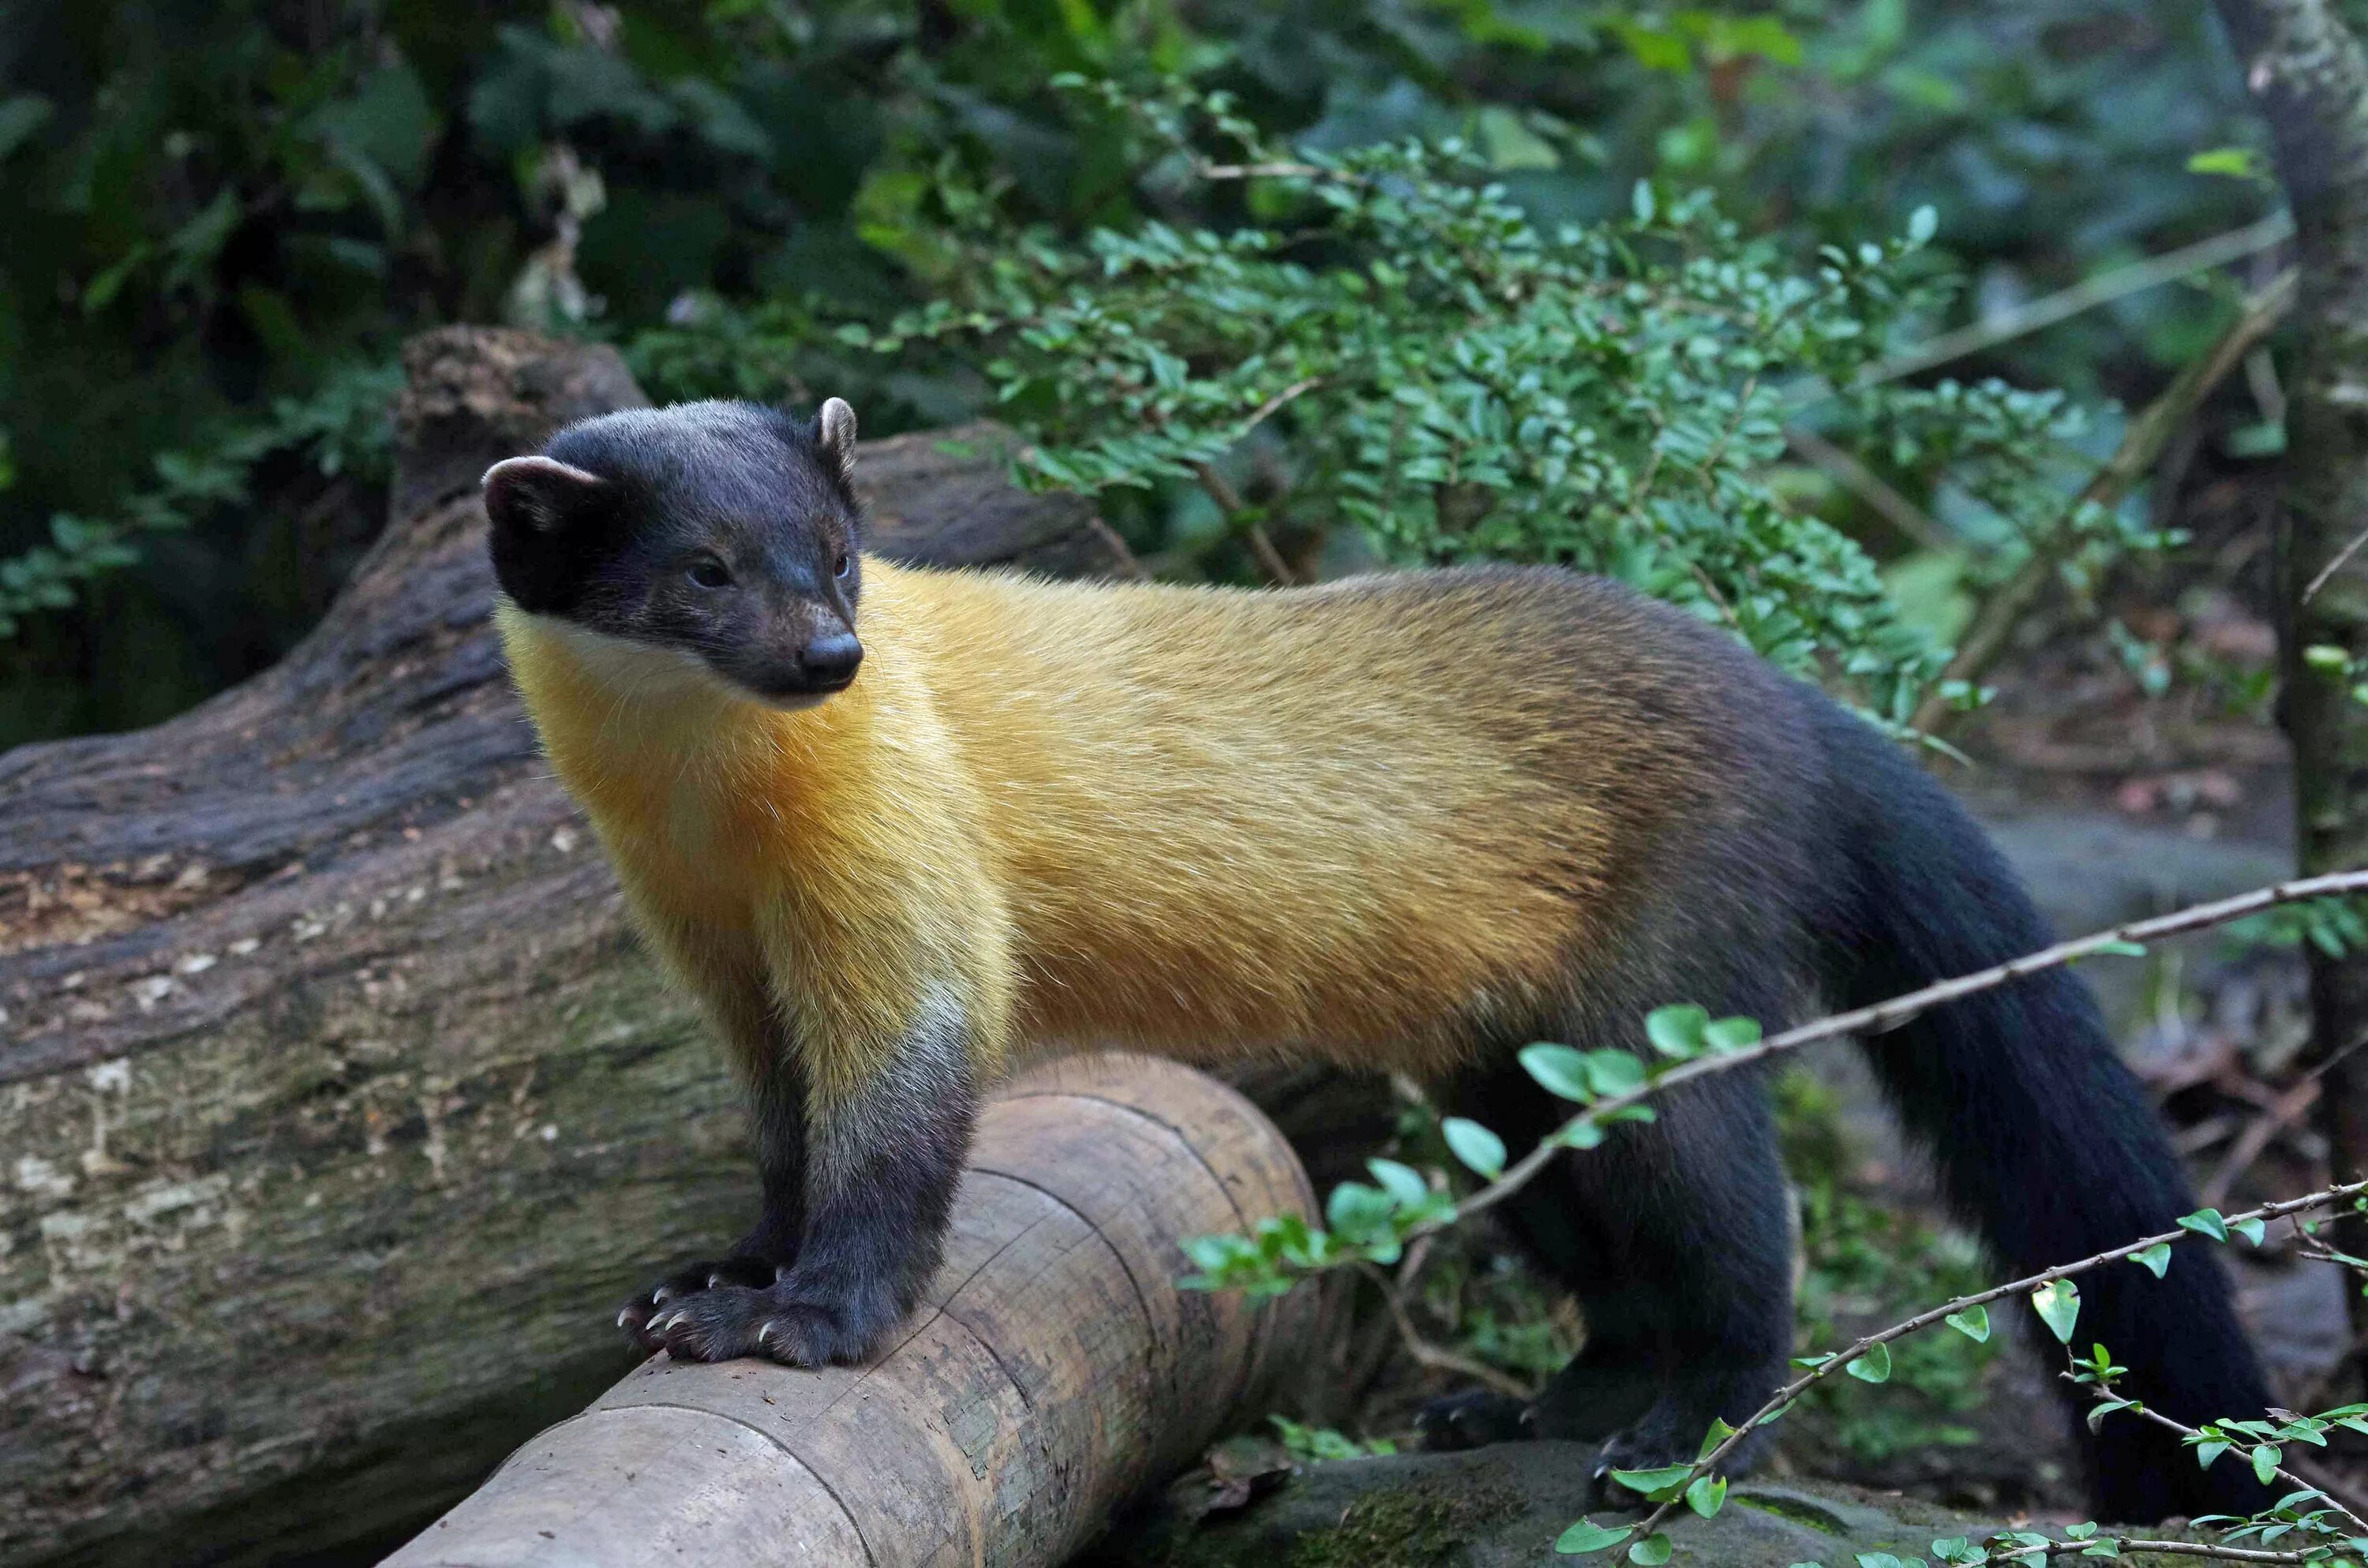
2042,1138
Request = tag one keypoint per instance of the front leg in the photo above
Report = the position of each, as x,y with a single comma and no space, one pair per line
778,1108
884,1147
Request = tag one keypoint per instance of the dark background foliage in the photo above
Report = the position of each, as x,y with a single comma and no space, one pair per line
222,218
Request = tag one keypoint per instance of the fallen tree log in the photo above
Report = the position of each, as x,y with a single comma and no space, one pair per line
1053,1371
339,1108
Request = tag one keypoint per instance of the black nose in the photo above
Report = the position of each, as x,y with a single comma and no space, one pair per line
828,663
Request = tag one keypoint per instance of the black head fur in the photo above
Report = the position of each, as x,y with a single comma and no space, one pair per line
728,531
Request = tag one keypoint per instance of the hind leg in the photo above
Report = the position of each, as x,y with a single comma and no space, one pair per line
1673,1236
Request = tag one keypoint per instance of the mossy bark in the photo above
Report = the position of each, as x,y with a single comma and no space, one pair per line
2308,72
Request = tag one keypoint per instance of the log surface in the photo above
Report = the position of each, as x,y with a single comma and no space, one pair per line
1052,1370
339,1108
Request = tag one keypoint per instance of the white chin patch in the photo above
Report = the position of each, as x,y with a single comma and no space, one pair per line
796,703
639,671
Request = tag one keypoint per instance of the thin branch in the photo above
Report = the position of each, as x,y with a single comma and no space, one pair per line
2332,568
1872,488
2286,1111
2086,295
2142,443
1885,1016
1272,171
1267,410
1437,1357
2178,1548
1783,1398
1229,501
1128,563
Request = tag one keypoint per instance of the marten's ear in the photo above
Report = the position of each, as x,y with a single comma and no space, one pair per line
540,493
835,434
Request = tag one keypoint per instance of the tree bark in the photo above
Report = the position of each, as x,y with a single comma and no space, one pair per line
2310,75
339,1108
1052,1370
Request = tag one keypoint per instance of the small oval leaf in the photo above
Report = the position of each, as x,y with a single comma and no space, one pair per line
1475,1145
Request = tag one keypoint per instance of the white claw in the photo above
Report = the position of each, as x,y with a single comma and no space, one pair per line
713,1280
623,1314
763,1329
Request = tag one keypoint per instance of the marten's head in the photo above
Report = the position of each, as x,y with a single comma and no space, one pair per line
720,536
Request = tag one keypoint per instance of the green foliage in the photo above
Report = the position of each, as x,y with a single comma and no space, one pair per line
1312,1443
216,206
1425,361
1865,1264
341,428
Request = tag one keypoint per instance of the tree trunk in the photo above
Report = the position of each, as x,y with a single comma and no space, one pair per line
339,1109
1052,1370
2311,77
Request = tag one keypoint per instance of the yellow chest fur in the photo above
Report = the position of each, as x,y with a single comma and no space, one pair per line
1207,821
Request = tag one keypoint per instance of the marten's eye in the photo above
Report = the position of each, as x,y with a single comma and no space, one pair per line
842,566
708,573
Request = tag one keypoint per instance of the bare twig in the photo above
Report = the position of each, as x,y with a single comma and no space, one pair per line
1890,1014
1128,563
2286,1111
1872,488
1229,501
2086,295
2178,1548
1438,1357
2332,568
2142,443
1272,171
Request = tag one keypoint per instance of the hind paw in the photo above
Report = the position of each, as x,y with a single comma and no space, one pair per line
1473,1420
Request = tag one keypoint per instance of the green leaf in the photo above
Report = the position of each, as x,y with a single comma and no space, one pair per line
20,116
1473,1144
2265,1461
1648,1482
2326,658
2058,1303
1922,224
1559,1070
2205,1452
1731,1034
2206,1222
1611,1072
1707,1495
1974,1323
1719,1433
2154,1259
1651,1551
1401,1182
2233,163
1874,1367
2118,949
1587,1536
1678,1030
2251,1230
2104,1407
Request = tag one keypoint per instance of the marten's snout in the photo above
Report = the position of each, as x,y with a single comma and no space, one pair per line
828,662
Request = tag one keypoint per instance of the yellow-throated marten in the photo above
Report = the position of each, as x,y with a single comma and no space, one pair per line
1410,822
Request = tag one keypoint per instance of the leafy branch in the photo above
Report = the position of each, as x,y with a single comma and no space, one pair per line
1868,1357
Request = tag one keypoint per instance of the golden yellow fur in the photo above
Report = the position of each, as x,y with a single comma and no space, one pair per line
1338,821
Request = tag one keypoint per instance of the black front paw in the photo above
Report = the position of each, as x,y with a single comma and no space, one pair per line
741,1270
1472,1420
775,1321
